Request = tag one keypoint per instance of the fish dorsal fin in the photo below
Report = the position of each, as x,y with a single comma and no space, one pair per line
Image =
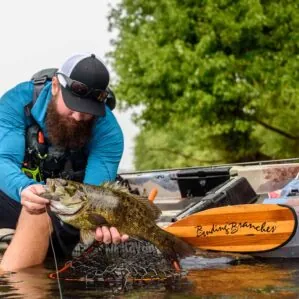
116,188
113,186
87,236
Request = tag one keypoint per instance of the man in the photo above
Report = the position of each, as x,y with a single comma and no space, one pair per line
83,142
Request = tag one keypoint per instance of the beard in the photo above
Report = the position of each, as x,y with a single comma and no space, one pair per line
65,131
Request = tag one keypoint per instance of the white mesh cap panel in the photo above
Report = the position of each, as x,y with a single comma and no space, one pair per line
69,65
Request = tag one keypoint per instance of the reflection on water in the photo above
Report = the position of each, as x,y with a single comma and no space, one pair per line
31,282
207,278
259,281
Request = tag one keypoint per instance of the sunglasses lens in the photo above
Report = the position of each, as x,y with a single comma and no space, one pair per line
82,90
79,88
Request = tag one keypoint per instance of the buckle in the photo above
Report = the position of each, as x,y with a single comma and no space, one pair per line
41,80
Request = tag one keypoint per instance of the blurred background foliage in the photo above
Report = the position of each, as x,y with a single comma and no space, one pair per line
216,80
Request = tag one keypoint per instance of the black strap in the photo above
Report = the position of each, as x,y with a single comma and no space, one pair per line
111,100
37,89
39,80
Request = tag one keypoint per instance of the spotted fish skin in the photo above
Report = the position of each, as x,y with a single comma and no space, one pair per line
86,207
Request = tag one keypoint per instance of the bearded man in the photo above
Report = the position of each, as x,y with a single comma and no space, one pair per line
80,140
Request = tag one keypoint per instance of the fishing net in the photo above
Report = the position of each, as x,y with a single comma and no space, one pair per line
135,261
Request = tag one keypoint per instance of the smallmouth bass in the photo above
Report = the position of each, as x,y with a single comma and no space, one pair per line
86,207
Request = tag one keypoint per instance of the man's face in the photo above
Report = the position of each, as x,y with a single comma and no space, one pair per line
65,127
64,111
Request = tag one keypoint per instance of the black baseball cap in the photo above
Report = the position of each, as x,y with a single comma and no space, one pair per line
94,76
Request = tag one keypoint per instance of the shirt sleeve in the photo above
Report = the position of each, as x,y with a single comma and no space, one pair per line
12,143
105,151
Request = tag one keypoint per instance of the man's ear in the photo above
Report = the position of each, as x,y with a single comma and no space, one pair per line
55,86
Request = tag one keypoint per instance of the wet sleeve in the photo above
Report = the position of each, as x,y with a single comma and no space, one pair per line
106,149
12,144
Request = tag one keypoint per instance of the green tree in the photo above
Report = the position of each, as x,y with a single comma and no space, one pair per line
222,74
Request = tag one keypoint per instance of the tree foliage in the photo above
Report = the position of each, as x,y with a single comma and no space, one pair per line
217,79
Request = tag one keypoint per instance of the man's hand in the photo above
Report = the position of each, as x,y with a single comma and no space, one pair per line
109,235
30,200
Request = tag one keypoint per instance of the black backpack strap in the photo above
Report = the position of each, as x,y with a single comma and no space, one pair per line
39,79
111,100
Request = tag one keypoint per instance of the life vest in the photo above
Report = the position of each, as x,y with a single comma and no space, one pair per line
43,160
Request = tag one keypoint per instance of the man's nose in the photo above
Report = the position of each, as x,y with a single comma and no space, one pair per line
78,116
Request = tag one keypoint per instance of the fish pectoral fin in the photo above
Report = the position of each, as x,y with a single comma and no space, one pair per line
87,236
97,219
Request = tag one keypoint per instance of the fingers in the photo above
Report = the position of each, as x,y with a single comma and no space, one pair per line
106,235
124,238
34,208
38,188
31,201
115,235
110,235
99,234
31,197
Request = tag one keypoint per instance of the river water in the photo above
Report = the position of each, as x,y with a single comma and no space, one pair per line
215,277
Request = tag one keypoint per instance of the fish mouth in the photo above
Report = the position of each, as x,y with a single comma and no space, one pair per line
61,209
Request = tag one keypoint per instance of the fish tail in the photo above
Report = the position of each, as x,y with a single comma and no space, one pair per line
173,247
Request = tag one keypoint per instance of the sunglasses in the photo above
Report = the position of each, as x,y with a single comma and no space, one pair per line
82,90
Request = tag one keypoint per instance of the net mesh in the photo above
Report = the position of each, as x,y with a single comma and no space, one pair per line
135,261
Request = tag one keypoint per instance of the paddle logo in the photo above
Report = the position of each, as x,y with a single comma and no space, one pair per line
235,227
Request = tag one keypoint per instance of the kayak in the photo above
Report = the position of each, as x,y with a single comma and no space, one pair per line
187,191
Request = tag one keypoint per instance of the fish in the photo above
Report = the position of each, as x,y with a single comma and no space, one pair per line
86,207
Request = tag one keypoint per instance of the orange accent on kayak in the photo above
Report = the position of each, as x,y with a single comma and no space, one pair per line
153,194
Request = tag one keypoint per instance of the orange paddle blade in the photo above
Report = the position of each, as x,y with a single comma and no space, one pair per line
240,228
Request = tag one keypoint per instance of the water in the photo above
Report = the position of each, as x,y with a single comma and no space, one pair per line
215,277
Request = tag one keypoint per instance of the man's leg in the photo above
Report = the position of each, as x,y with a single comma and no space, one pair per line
9,211
30,243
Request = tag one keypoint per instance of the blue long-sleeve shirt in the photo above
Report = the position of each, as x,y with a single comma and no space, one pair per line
105,148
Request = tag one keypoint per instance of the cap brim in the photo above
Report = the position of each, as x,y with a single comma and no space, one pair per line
84,105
